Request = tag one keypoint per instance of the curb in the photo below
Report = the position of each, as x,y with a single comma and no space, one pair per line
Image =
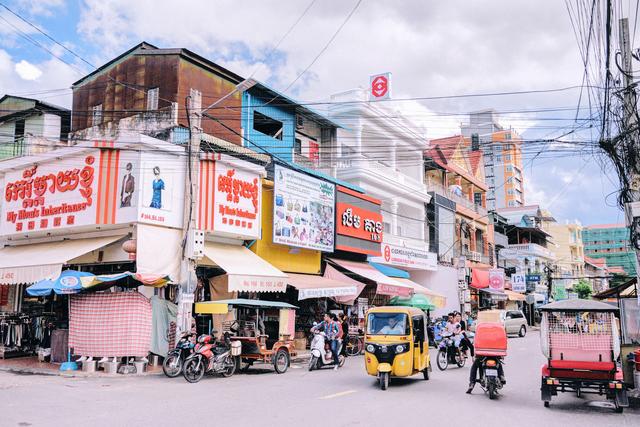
70,374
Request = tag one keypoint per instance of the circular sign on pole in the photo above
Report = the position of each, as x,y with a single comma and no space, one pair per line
379,86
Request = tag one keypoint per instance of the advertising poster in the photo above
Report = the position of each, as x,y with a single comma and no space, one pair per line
496,279
128,188
303,211
161,192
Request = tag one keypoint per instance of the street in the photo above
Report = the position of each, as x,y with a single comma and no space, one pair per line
345,398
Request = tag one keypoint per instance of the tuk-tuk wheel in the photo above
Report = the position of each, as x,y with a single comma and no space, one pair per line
425,373
384,380
546,404
281,361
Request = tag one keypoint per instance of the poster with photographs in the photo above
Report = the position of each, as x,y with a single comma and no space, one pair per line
162,189
129,176
303,211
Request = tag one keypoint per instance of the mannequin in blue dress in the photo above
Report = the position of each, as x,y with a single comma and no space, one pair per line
158,186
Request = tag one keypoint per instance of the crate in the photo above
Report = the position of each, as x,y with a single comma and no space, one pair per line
300,343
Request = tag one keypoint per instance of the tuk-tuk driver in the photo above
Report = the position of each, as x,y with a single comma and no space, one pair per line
393,327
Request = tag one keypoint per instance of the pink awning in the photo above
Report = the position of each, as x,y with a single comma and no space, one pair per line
479,279
439,300
332,273
310,286
386,285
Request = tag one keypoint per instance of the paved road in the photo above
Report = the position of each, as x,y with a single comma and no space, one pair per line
326,398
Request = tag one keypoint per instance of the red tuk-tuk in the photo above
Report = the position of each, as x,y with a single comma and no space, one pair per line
581,342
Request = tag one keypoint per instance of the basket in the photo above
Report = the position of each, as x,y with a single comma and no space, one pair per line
236,348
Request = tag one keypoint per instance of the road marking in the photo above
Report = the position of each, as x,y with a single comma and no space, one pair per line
342,393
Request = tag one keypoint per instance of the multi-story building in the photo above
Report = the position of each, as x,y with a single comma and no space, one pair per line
568,249
29,126
611,242
502,150
453,169
596,273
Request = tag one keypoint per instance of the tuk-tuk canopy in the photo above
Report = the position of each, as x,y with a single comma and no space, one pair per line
579,305
221,306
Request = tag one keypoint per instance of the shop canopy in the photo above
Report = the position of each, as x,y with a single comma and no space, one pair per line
310,286
246,271
438,300
387,270
31,263
514,296
331,273
417,300
222,306
386,284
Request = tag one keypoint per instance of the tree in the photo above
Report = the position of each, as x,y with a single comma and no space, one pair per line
583,289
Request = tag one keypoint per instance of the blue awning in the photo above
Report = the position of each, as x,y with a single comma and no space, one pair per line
390,271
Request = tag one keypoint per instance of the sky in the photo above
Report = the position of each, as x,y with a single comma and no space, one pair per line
432,48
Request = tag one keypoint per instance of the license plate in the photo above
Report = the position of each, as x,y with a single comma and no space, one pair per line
491,372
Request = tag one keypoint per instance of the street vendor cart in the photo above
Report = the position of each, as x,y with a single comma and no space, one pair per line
265,330
581,342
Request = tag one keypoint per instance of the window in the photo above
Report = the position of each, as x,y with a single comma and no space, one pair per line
512,203
267,125
399,231
18,130
510,192
510,168
152,99
499,158
387,227
507,157
96,115
297,147
477,199
388,324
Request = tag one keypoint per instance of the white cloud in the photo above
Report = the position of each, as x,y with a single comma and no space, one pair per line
40,7
27,71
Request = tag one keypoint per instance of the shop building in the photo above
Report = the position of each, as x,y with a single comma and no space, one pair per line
30,126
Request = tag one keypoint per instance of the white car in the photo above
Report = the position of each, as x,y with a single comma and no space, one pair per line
513,320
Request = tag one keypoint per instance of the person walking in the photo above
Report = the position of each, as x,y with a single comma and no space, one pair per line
344,321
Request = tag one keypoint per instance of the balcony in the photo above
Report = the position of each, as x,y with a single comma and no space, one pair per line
460,200
532,249
473,256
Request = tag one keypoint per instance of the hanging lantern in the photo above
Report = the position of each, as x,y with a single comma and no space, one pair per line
130,247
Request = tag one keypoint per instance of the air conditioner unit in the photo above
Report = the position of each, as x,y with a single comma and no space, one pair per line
299,122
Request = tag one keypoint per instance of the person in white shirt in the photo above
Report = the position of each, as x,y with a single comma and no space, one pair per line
393,327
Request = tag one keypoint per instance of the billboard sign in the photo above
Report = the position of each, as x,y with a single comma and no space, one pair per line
496,279
380,87
303,210
518,283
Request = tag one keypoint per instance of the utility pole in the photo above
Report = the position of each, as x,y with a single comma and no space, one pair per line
188,279
630,124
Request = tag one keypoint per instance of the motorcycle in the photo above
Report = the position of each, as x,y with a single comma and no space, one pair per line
490,381
321,354
211,356
448,353
173,363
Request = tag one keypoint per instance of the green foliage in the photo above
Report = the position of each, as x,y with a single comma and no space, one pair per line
583,289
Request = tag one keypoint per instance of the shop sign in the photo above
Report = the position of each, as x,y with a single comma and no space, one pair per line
380,86
395,291
50,196
327,292
531,278
359,223
496,279
407,257
232,208
559,292
303,211
518,283
162,195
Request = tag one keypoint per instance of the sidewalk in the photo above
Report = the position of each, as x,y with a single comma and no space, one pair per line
31,366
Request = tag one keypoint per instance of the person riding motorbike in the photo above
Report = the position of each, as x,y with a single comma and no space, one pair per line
331,330
465,342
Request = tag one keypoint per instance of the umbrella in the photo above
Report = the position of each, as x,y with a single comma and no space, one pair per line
417,300
69,282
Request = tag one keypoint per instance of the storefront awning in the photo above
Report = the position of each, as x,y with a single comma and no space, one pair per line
310,286
386,285
387,270
438,300
331,273
34,262
514,296
246,271
494,294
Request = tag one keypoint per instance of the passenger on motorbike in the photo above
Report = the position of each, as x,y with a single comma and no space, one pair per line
331,330
465,341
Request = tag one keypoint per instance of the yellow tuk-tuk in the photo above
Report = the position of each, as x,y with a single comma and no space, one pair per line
396,343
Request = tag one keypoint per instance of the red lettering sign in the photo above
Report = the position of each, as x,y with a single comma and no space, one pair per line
359,223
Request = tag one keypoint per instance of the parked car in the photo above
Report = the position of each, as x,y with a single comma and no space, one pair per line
513,320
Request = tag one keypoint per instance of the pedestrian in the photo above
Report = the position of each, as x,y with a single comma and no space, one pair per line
344,321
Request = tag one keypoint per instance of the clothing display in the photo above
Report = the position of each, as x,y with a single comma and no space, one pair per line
163,313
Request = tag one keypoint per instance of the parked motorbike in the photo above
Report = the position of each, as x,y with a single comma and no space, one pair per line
173,363
321,354
490,381
448,353
210,356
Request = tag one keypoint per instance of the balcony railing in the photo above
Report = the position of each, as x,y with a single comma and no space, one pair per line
354,160
461,200
14,148
532,249
473,256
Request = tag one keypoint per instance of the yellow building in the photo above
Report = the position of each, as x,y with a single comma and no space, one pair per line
569,250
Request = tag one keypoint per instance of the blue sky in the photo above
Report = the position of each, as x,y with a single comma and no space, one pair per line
432,48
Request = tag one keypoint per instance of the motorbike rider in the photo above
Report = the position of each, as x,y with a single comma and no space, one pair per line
463,328
331,330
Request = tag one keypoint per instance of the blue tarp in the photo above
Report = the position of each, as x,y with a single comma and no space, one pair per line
390,271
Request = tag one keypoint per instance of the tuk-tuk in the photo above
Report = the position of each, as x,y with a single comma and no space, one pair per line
396,343
581,342
264,329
